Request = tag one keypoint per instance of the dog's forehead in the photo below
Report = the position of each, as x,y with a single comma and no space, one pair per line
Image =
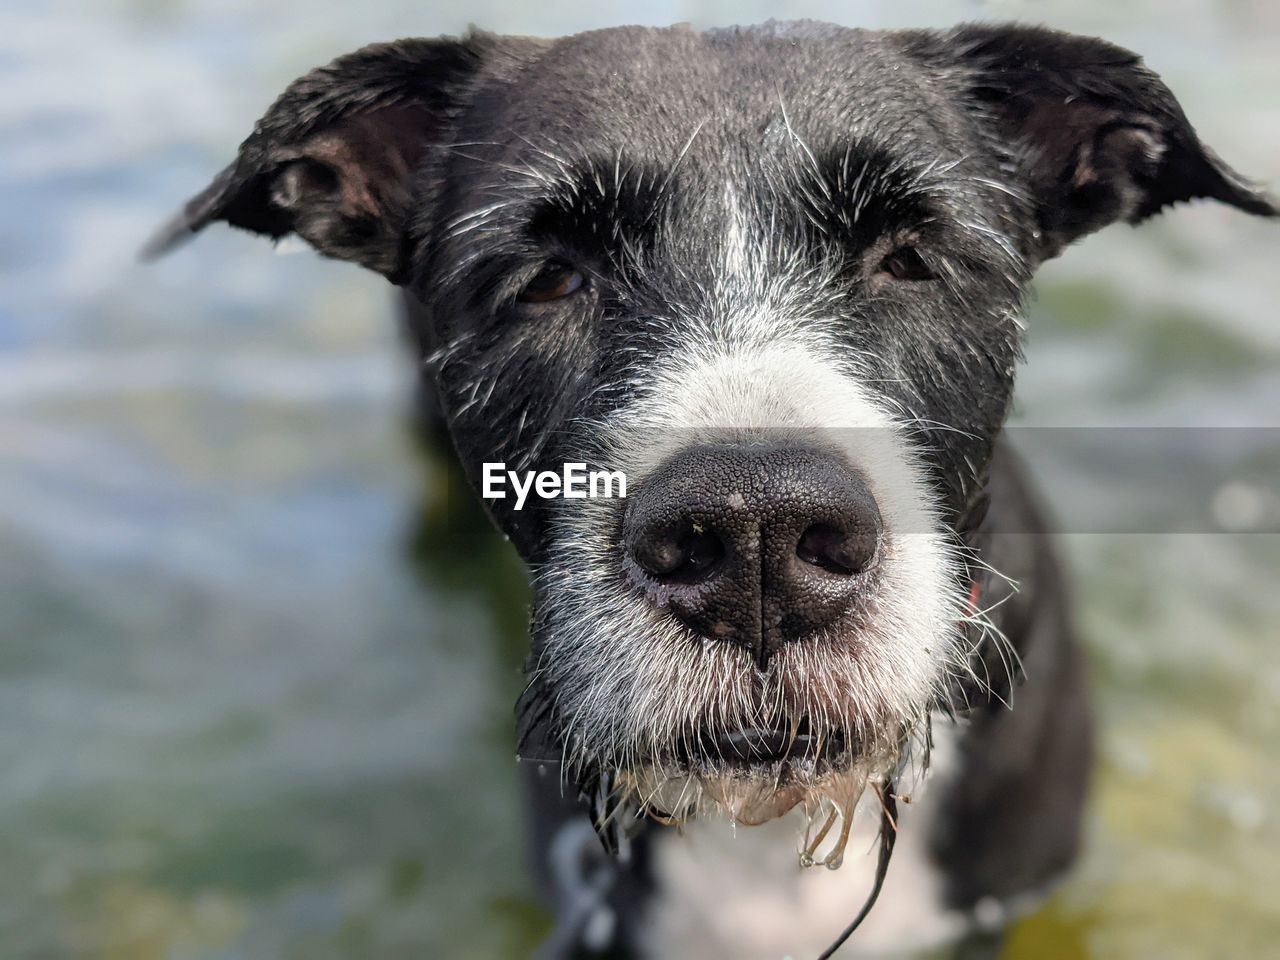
718,98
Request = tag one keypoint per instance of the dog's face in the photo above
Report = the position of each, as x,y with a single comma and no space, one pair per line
773,276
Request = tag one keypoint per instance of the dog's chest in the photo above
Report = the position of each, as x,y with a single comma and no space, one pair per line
741,894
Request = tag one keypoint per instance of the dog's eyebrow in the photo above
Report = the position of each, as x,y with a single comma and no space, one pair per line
860,193
863,191
601,204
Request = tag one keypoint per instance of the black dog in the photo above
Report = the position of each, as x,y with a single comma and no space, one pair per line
772,275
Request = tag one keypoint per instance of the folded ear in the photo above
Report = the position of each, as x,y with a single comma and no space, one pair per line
1089,131
333,159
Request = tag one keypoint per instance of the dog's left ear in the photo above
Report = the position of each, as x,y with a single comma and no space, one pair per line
1089,131
333,159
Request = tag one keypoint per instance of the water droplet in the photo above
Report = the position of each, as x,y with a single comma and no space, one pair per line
806,859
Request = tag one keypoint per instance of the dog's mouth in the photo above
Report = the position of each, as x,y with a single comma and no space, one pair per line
753,774
748,748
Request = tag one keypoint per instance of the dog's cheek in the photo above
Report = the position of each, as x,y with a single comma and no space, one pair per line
953,384
506,408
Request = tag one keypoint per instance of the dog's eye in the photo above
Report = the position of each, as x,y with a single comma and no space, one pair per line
554,282
905,263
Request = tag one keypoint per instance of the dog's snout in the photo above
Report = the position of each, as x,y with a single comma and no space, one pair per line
757,546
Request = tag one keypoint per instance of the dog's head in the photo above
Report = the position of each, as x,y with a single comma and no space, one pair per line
773,275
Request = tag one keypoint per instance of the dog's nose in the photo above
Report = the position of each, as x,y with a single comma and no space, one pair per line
752,545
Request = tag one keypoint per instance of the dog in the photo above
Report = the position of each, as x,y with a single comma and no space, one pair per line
773,276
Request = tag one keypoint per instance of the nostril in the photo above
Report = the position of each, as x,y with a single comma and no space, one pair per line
703,551
686,556
659,558
832,549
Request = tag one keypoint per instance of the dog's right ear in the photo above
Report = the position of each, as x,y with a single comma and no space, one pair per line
333,159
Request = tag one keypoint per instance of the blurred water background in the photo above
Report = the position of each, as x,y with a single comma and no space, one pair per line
255,701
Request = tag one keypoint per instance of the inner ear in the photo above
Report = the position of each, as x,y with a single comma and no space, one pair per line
1086,165
348,190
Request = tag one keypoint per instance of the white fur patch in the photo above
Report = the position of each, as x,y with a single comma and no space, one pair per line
737,253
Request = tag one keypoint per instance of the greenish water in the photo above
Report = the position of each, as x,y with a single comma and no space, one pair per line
255,693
